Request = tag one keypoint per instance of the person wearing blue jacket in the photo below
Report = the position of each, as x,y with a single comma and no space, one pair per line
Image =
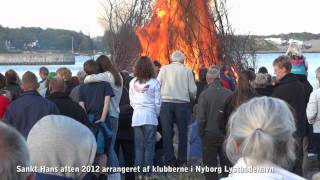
30,107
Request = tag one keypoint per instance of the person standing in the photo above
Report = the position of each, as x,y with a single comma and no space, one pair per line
30,107
124,141
210,103
108,73
291,90
244,92
43,73
65,104
66,75
177,89
144,94
95,99
12,84
313,115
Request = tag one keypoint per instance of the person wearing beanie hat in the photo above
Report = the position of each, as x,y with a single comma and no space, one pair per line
74,146
178,88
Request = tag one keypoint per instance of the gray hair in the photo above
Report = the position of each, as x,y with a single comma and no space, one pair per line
14,152
318,70
213,72
262,129
178,56
261,80
81,75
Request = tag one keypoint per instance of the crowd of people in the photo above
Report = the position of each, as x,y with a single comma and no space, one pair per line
160,116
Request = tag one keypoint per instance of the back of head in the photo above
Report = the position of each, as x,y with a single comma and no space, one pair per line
51,149
91,67
75,80
13,153
178,56
105,64
11,77
261,130
64,73
213,73
203,74
56,85
2,81
263,70
144,69
261,80
29,81
157,64
81,75
244,89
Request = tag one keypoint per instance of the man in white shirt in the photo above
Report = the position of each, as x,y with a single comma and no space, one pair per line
177,89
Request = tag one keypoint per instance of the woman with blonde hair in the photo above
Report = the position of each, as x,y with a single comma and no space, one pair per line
298,61
260,137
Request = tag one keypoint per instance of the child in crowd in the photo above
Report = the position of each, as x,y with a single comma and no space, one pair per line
144,94
195,150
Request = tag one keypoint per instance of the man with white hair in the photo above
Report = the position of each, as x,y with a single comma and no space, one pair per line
177,89
210,104
14,155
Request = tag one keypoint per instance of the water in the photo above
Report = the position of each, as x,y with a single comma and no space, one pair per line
262,60
313,59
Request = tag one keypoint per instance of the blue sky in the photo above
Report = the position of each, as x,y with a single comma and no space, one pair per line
247,16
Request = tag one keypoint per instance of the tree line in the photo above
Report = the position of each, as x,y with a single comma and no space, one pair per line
33,38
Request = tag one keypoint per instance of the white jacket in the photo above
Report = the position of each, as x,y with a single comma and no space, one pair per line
177,83
313,110
145,101
271,172
114,109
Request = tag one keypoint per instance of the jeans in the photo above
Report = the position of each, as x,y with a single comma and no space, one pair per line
144,143
112,122
180,112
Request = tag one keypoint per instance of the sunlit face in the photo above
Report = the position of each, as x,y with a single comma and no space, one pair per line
279,72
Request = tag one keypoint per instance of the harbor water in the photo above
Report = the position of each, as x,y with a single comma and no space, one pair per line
261,60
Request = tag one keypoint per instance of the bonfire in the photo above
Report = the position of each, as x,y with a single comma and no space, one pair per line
185,25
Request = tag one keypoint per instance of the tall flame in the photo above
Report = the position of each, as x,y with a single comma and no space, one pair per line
184,25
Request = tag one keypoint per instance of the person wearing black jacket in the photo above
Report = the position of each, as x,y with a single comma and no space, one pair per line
124,138
291,90
65,104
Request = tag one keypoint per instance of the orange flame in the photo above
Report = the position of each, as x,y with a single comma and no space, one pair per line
184,25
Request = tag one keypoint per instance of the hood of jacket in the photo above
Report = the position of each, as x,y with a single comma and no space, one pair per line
59,141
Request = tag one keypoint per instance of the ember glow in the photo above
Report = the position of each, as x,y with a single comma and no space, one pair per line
185,25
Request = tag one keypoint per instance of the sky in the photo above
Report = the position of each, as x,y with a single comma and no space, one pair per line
261,17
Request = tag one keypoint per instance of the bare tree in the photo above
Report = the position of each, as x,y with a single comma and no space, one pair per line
238,51
121,18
